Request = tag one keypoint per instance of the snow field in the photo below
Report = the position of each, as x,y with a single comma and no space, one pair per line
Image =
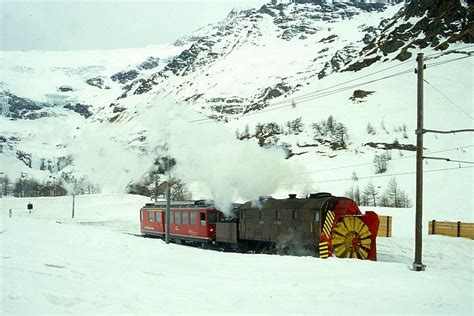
53,264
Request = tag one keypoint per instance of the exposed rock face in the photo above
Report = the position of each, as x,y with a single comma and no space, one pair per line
150,63
244,29
422,23
338,61
125,76
97,82
16,107
81,109
358,95
65,88
24,157
394,145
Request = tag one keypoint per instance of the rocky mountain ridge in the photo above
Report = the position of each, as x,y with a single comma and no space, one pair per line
246,63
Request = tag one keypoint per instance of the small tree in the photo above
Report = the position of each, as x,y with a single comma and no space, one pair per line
295,126
5,185
380,162
370,194
370,129
330,123
383,200
354,194
340,134
331,130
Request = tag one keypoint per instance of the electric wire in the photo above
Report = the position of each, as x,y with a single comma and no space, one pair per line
447,98
455,50
380,176
320,93
274,107
370,163
449,160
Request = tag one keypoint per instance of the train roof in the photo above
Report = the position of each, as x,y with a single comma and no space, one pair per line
314,201
182,204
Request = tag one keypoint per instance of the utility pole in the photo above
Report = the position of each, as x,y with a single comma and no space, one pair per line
168,197
418,265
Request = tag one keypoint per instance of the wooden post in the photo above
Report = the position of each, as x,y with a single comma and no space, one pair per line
388,225
417,264
73,202
459,229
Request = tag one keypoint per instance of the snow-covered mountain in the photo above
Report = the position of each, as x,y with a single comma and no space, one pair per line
278,76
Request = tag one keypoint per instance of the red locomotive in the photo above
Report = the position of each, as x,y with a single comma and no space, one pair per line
193,221
321,224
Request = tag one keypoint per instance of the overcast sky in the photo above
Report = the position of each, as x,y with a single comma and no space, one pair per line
106,24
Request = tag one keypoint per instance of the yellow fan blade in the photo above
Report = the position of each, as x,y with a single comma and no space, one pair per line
365,242
359,225
339,250
365,235
364,254
338,240
341,229
349,222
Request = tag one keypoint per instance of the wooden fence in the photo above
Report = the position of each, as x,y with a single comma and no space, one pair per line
385,226
453,229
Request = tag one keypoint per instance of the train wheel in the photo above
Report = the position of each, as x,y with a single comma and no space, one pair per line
351,238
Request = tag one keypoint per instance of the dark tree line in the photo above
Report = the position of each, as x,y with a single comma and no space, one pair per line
29,187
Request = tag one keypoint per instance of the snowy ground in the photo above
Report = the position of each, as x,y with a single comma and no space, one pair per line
51,263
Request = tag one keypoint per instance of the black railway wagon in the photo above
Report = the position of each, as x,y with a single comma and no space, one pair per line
288,226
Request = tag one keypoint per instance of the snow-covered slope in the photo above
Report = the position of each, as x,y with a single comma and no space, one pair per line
107,116
52,264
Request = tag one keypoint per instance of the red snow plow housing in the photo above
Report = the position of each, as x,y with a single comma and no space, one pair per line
347,233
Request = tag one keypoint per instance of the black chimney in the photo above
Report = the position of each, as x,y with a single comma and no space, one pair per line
319,195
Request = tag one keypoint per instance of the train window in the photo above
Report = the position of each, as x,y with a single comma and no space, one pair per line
242,215
212,218
278,215
172,217
185,218
203,218
295,215
260,215
158,217
192,217
316,216
151,216
177,218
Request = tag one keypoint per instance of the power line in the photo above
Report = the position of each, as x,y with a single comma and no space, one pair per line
455,50
448,61
447,98
448,159
379,176
324,94
370,163
320,93
448,132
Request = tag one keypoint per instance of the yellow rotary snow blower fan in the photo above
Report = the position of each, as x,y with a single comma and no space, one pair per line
349,236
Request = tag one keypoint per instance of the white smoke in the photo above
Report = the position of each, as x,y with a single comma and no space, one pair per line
210,154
